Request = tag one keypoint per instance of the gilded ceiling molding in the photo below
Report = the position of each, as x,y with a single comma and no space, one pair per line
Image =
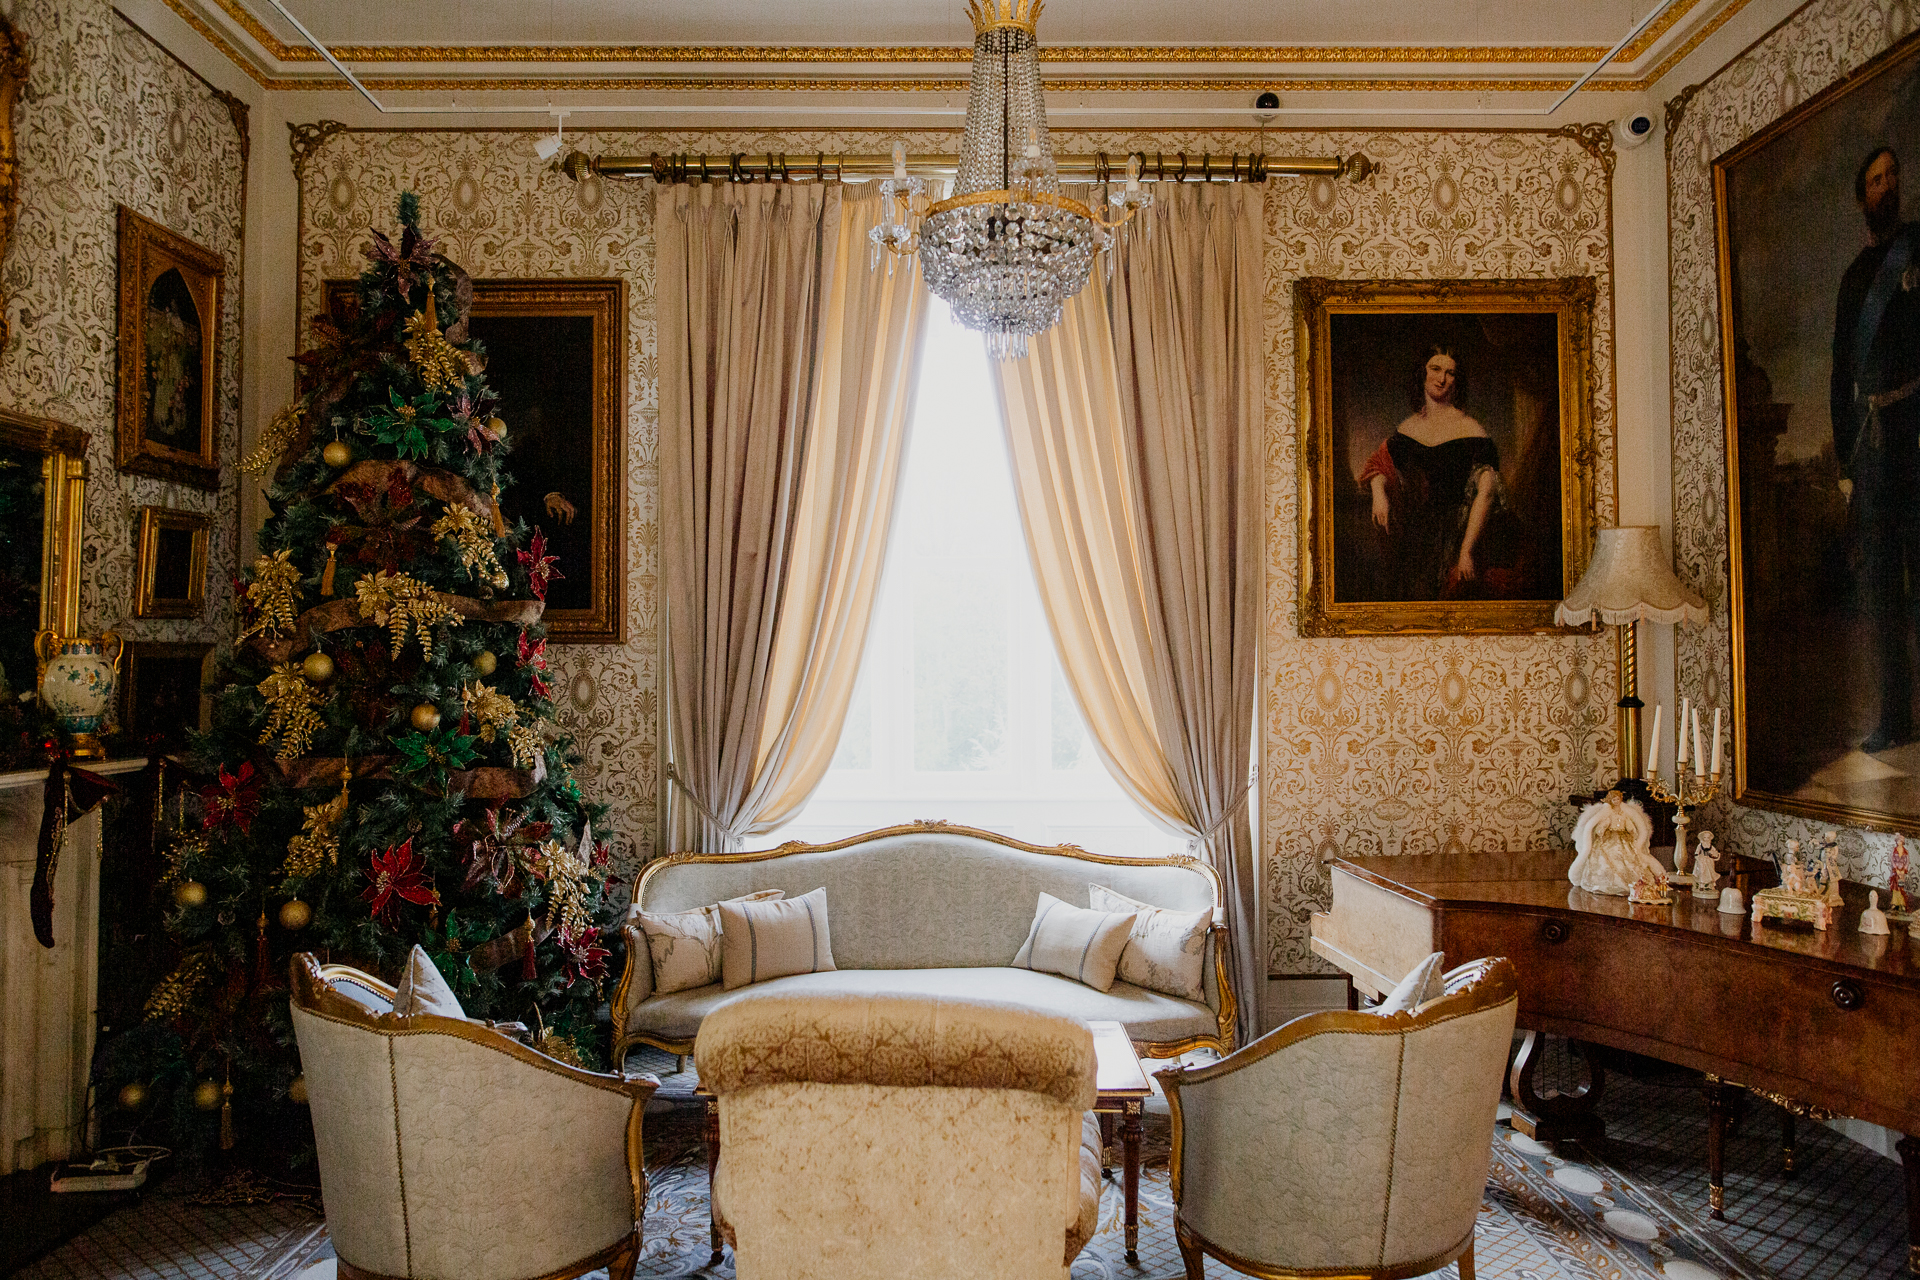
305,139
1693,42
1596,139
244,17
13,78
187,15
802,85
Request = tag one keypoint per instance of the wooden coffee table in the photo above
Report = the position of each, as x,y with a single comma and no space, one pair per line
1122,1091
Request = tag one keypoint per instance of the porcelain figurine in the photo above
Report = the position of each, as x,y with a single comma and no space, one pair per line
1830,868
1793,876
1614,840
1730,903
1650,890
1897,882
1873,920
1706,868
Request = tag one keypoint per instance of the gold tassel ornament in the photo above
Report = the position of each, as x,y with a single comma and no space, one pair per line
326,574
226,1099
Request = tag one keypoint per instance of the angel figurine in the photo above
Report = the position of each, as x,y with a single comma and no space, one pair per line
1706,867
1897,882
1830,867
1614,841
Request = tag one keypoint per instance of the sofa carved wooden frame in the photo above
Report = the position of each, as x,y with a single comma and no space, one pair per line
313,992
1222,1043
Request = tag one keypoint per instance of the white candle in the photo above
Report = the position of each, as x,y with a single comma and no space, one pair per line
1680,740
1653,742
900,160
1716,742
1699,756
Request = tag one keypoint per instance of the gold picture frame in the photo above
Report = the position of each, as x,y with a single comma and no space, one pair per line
1395,557
557,354
1806,502
170,567
162,691
167,412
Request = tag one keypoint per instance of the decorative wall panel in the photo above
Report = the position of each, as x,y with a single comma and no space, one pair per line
110,118
1815,47
1398,746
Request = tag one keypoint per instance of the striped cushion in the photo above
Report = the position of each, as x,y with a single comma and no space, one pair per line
761,940
1075,942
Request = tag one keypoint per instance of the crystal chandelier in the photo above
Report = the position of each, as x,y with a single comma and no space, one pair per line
1005,249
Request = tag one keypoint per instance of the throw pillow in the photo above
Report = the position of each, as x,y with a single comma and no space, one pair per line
1074,942
1166,950
762,940
684,946
1424,984
423,990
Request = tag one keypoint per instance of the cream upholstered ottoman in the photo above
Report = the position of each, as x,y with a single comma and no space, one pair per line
860,1138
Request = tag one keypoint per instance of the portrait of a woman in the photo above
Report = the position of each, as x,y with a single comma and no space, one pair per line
1437,499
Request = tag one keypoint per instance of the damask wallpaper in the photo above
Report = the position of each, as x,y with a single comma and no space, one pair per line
108,118
1815,47
1394,746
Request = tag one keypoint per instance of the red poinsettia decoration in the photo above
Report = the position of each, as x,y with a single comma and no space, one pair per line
233,800
538,564
534,658
586,958
398,872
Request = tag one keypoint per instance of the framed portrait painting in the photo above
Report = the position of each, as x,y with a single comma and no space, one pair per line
1820,343
166,415
556,357
1446,453
160,691
170,563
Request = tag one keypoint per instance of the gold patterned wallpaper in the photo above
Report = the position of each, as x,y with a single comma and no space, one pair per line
1368,746
1815,47
110,118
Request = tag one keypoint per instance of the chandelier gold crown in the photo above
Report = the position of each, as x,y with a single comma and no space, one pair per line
992,15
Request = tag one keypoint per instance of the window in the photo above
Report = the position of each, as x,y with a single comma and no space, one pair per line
961,710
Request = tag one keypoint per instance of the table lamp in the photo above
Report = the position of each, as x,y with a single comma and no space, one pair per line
1630,580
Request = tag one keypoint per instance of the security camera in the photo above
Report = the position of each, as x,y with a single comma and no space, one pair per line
1268,101
1632,129
547,147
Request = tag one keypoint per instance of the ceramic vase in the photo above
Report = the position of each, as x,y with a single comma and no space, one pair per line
76,684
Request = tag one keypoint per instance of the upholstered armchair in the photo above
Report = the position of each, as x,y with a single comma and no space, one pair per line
1345,1143
868,1138
450,1151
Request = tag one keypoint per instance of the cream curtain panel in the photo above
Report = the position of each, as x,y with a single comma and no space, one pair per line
787,368
1134,429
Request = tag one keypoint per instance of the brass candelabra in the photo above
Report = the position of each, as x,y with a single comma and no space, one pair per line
1689,791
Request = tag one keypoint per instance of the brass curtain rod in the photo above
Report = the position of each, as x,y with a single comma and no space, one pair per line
1098,167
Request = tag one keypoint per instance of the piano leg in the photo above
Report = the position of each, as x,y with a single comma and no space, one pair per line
1717,1147
1909,1149
1786,1142
1551,1117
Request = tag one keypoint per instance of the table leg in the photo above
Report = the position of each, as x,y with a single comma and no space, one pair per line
713,1164
1106,1140
1551,1117
1909,1149
1130,1175
1716,1148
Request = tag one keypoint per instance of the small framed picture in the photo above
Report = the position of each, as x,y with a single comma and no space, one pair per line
171,566
160,691
166,416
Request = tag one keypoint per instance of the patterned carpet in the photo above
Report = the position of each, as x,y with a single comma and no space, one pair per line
1634,1209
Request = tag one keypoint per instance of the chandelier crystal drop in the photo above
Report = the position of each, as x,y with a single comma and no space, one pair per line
1005,249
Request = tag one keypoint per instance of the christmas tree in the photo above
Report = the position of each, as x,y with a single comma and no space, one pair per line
383,768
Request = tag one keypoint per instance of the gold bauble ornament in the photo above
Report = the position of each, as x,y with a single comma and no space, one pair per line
485,663
206,1095
190,893
295,915
318,668
133,1096
297,1091
426,717
338,454
496,428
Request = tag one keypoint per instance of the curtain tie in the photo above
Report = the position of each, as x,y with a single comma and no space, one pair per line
1195,844
726,830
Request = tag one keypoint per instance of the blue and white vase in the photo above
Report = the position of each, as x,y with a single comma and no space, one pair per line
76,684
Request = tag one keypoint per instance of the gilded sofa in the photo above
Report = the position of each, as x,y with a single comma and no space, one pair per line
931,909
1349,1144
867,1139
450,1151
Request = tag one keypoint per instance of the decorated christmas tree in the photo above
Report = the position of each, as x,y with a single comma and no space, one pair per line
383,768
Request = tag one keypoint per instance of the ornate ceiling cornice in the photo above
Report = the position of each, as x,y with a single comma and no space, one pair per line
517,63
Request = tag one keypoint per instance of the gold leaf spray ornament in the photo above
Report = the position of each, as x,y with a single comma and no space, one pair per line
291,700
319,838
273,593
463,527
279,434
441,366
397,602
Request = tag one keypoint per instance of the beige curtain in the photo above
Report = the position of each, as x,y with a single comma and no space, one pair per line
786,369
1134,428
